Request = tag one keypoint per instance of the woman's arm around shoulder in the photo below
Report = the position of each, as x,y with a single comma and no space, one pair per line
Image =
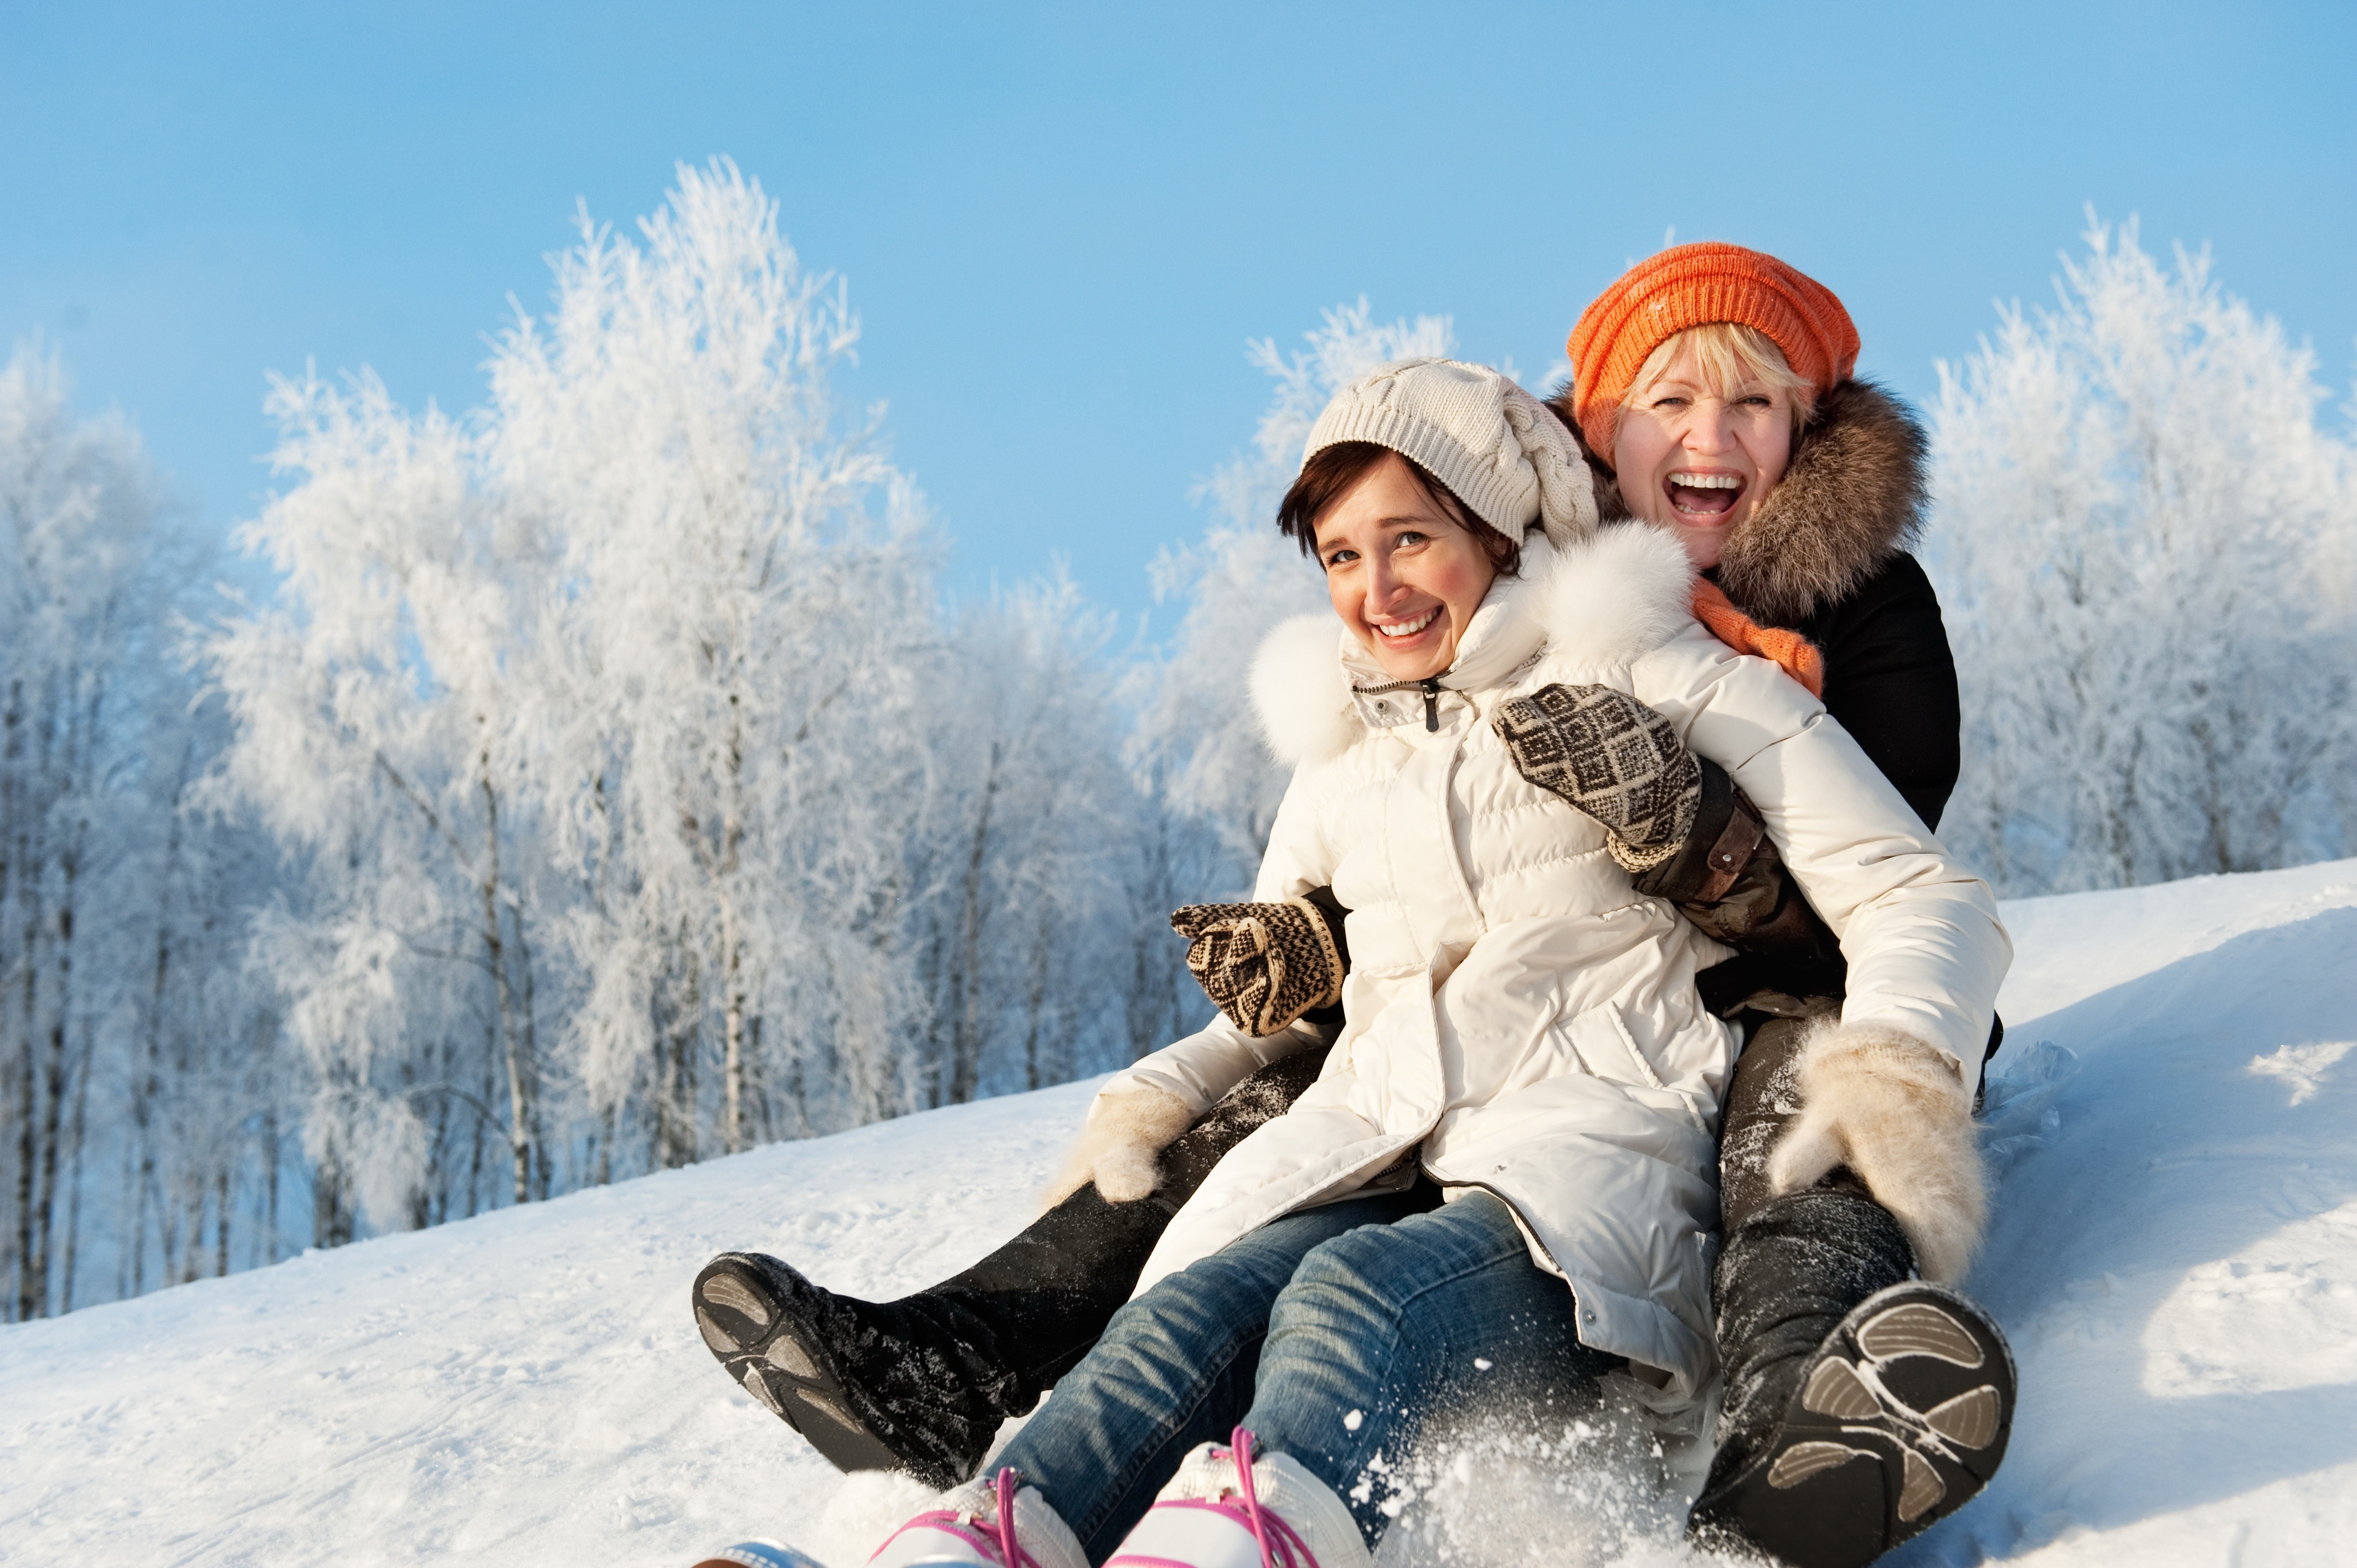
1920,933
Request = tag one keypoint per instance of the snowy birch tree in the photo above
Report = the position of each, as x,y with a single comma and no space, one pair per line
1038,902
647,801
117,1144
728,665
379,705
2142,536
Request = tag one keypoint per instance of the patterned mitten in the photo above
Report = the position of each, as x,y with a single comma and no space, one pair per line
1608,755
1264,964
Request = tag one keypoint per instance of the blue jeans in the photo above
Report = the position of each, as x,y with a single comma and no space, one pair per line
1335,1335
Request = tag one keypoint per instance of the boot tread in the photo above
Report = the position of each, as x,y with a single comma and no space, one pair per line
1915,1378
791,1374
1919,1329
1835,1389
1803,1460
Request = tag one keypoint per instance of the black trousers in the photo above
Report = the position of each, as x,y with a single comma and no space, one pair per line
1764,1095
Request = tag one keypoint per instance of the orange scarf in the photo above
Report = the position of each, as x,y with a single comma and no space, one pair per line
1795,654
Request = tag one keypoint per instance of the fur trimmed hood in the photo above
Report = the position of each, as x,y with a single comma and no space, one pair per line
1852,497
1600,603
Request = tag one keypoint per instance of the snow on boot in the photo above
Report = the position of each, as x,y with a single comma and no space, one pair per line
994,1523
760,1554
1897,1420
872,1387
1228,1508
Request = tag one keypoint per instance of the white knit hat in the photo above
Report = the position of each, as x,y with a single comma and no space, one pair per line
1491,443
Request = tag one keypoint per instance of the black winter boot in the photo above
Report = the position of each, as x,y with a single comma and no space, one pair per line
874,1387
921,1384
1861,1406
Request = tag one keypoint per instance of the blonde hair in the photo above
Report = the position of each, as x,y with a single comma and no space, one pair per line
1726,354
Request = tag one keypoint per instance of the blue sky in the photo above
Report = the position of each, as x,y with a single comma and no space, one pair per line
1060,224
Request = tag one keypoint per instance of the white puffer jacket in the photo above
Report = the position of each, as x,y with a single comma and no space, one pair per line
1516,1013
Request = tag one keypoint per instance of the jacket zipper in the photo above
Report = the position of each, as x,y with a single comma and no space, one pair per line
1431,688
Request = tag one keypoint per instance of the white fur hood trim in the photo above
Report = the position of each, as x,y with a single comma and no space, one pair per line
1615,595
1600,603
1301,692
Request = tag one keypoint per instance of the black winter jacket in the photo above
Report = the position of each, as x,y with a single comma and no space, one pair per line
1891,682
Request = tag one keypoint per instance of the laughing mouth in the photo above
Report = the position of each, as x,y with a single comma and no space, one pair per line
1408,628
1703,495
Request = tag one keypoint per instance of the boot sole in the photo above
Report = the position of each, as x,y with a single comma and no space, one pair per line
752,1313
1900,1418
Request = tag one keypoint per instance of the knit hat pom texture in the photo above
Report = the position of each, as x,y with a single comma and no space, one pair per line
1491,443
1699,285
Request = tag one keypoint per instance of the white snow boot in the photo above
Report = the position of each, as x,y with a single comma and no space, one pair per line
990,1522
759,1554
1227,1508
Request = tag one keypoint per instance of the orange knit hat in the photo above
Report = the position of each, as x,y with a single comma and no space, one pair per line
1694,285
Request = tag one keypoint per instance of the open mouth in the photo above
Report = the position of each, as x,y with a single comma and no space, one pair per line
1400,631
1703,496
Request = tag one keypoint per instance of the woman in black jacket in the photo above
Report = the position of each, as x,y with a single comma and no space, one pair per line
923,1383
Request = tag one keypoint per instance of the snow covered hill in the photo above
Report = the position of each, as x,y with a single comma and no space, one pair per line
2175,1258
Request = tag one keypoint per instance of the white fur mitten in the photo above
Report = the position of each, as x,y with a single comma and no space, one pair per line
1120,1146
1895,1110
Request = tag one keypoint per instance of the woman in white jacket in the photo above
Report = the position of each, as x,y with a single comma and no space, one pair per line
1502,1183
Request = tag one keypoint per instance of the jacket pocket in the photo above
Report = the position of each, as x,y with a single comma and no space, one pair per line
1608,1051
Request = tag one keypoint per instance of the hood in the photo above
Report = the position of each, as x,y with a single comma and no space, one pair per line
1594,605
1852,497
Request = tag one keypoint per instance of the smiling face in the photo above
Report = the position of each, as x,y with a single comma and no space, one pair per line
1698,453
1403,573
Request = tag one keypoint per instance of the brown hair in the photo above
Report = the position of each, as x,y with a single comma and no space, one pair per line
1331,470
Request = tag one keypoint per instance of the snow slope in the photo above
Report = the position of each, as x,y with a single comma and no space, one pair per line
2175,1257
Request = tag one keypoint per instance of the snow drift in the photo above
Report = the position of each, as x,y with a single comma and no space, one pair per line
2175,1257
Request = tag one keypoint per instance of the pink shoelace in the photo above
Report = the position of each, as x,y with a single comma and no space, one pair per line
1011,1552
997,1536
1281,1545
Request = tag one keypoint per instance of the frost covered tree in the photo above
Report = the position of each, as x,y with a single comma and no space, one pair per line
380,707
646,802
208,1132
1041,861
727,660
2143,537
78,595
130,1133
